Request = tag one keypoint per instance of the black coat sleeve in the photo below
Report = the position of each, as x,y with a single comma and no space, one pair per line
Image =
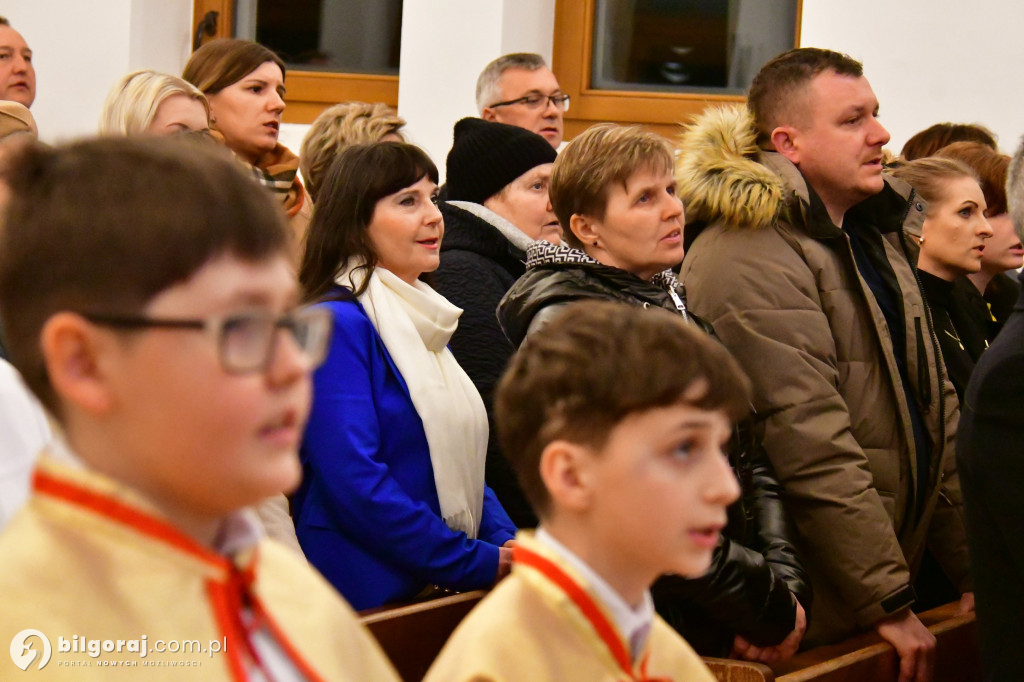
991,463
755,576
768,528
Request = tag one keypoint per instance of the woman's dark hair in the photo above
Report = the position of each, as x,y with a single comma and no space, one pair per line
934,138
991,167
357,179
225,61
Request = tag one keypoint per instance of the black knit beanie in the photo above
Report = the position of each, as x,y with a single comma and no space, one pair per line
487,155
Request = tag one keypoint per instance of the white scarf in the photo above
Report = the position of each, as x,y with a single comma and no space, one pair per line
415,323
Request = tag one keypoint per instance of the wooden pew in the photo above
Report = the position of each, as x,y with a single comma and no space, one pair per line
412,636
727,670
867,657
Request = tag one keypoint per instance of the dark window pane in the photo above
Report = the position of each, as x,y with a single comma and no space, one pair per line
347,36
688,45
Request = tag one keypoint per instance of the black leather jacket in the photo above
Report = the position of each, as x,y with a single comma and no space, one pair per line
755,572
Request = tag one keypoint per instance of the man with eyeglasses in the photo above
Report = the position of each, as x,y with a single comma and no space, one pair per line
519,89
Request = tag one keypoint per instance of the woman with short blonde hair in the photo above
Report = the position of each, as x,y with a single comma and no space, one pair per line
149,102
341,126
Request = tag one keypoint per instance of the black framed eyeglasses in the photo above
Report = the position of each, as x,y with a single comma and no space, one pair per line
537,101
245,341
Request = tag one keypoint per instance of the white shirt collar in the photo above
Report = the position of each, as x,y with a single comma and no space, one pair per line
633,624
240,530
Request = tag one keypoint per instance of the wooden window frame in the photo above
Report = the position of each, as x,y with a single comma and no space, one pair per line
309,92
572,58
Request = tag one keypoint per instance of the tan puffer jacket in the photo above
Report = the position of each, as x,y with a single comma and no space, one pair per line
782,290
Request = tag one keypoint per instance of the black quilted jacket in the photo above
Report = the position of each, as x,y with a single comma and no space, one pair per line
755,571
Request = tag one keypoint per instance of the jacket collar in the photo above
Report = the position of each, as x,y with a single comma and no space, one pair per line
938,291
895,208
466,231
544,567
516,237
544,254
633,624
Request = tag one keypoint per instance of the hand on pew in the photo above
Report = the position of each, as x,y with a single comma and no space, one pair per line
741,648
914,644
966,603
504,560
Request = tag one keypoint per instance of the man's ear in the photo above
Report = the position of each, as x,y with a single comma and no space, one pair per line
488,114
564,468
584,228
72,352
786,140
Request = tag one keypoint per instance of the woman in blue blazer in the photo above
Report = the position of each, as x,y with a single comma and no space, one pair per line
392,504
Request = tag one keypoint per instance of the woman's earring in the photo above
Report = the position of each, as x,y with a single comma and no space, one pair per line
920,240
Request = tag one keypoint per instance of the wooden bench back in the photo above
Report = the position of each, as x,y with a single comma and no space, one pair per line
412,636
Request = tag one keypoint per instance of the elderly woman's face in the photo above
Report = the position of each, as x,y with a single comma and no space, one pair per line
954,232
524,203
248,113
406,230
642,228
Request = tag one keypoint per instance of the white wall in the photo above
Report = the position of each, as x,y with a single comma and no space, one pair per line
81,47
931,60
445,46
161,37
928,60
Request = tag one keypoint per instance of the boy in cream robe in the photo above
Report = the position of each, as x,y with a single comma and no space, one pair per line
614,418
149,303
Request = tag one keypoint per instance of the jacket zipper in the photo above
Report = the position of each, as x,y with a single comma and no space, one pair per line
924,389
941,444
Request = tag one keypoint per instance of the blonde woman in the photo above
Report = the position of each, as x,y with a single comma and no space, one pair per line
152,103
952,240
341,126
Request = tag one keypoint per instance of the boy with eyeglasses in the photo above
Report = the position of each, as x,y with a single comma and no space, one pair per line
149,302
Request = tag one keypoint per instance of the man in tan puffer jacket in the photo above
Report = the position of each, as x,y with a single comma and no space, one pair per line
796,255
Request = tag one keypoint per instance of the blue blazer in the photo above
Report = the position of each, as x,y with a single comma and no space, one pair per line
367,514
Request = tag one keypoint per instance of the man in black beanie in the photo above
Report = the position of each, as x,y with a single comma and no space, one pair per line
496,204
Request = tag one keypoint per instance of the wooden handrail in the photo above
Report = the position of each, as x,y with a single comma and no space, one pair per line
868,657
727,670
413,635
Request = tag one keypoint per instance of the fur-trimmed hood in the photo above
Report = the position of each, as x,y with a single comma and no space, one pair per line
722,174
